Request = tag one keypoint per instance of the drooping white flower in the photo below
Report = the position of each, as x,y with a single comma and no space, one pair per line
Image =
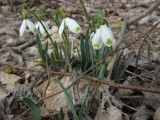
96,39
26,25
102,36
40,27
71,24
107,36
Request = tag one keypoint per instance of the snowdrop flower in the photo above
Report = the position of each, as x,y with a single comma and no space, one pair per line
102,36
107,36
72,25
96,39
40,27
26,25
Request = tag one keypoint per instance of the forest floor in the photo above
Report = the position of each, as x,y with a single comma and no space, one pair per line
21,75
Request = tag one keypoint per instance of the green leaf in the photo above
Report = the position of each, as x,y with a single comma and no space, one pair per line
103,70
128,62
83,103
117,67
61,114
38,18
29,102
69,100
40,49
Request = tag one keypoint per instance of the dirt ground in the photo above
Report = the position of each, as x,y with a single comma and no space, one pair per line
136,105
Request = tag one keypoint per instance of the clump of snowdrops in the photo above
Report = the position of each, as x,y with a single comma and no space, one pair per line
96,44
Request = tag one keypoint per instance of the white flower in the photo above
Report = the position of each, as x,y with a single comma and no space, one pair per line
102,36
96,39
40,27
72,25
26,25
107,36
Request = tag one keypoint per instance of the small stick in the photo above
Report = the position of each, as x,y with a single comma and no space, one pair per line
115,85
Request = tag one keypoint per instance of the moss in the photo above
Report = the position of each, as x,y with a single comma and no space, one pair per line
119,26
11,70
39,63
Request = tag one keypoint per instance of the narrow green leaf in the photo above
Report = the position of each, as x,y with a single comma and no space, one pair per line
61,114
69,101
29,102
38,18
103,70
128,62
40,49
83,103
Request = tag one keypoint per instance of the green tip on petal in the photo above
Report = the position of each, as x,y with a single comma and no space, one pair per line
96,46
108,42
78,29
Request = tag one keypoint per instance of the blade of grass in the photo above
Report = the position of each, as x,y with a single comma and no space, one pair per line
102,71
69,100
48,35
128,62
61,114
29,102
83,103
40,49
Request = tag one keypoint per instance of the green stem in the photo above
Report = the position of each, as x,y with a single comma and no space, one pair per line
65,38
97,60
48,35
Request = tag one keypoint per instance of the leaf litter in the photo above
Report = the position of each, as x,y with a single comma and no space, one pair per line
14,86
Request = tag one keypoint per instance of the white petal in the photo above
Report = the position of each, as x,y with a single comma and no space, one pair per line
23,27
38,25
96,41
107,36
61,28
91,36
30,25
72,25
41,28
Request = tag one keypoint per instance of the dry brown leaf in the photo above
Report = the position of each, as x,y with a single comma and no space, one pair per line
112,113
9,78
3,93
142,114
56,102
157,114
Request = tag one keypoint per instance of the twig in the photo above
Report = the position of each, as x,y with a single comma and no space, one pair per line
145,13
27,44
132,108
115,85
131,97
24,46
138,76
